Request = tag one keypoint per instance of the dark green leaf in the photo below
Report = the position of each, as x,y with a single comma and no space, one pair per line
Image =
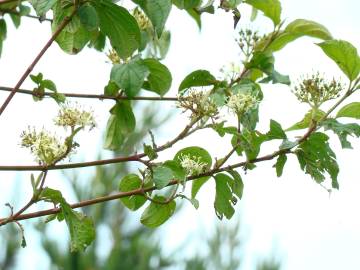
280,163
224,198
162,176
186,4
342,130
88,17
316,157
159,79
156,214
130,76
129,183
270,8
345,55
351,110
111,89
150,152
119,26
237,185
197,78
276,131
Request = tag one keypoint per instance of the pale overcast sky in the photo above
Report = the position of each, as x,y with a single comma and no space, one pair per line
291,217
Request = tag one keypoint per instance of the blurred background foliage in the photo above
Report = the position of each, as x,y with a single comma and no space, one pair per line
122,243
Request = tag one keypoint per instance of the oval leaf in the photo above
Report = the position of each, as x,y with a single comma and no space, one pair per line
156,214
128,183
270,8
351,110
159,79
345,55
197,78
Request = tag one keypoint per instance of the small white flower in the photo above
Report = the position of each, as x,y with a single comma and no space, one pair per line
241,103
192,165
46,148
73,116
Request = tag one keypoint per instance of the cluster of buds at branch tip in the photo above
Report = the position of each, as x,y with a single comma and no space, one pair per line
315,90
72,115
192,165
247,41
142,20
199,103
241,103
231,71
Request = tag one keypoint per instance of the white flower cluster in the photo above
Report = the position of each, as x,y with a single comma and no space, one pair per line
46,148
192,165
74,116
241,103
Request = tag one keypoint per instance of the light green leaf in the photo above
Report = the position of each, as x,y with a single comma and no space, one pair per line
270,8
111,89
351,110
197,78
297,29
42,6
48,84
114,138
129,183
156,214
224,198
157,10
159,79
119,26
345,55
130,76
88,17
306,121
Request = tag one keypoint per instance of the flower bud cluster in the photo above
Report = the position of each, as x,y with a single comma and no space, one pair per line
199,103
74,116
315,90
241,103
47,148
143,21
247,41
192,165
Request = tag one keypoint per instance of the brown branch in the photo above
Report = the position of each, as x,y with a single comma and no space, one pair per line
36,60
14,12
101,97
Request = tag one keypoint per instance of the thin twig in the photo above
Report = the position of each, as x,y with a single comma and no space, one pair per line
101,97
36,60
14,12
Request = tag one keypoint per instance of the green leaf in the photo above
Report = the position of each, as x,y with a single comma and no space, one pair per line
129,183
48,84
351,110
342,130
237,186
156,214
201,155
37,78
111,89
186,4
297,29
345,55
197,78
316,158
73,38
121,123
178,172
270,8
119,26
224,198
150,152
162,176
42,6
81,227
276,131
159,79
88,17
306,121
157,10
130,76
280,163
